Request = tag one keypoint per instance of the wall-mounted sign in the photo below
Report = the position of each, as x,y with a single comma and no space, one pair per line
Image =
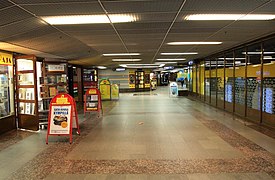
6,59
56,67
190,63
168,67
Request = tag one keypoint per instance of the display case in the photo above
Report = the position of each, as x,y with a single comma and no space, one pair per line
139,80
53,81
26,92
5,91
90,79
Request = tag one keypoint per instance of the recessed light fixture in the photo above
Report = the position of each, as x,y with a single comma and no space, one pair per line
231,58
175,59
257,53
194,43
234,17
185,53
101,67
139,65
88,19
126,60
121,54
168,62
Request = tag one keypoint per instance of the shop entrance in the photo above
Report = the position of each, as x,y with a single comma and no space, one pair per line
26,92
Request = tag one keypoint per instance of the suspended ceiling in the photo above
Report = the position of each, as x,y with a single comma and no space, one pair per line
158,22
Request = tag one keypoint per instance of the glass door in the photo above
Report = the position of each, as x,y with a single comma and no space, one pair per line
26,93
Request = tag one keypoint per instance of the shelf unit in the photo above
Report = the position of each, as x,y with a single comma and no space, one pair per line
53,81
90,78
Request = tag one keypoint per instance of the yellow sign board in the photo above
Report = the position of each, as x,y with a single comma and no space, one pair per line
115,91
92,91
105,91
62,100
6,59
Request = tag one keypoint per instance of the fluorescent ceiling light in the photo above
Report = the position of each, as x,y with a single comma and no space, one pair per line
185,53
126,60
88,19
101,67
123,65
161,65
140,65
268,57
193,43
175,59
235,17
231,58
121,54
170,62
256,53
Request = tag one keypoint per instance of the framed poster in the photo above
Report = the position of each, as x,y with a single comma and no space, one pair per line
60,119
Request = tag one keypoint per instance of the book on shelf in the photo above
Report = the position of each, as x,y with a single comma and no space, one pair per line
52,91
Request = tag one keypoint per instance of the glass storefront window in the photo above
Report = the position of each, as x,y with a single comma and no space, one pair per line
254,82
201,87
213,81
240,81
229,79
268,106
207,80
220,81
6,91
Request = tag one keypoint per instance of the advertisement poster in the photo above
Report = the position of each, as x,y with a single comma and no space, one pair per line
105,89
173,89
60,119
115,91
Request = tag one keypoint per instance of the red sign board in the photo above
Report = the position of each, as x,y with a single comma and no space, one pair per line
62,114
92,101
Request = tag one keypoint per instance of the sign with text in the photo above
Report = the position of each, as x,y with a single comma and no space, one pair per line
92,101
62,113
6,59
60,119
56,67
173,89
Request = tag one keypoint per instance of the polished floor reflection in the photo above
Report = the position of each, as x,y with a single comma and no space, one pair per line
146,136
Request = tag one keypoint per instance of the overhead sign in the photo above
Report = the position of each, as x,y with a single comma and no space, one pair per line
6,59
56,67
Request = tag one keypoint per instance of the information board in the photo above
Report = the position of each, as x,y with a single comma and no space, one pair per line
105,89
92,101
114,92
173,89
62,113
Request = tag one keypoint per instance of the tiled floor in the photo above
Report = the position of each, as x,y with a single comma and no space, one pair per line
146,137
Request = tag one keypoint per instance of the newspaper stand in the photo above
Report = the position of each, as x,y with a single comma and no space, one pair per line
92,101
62,113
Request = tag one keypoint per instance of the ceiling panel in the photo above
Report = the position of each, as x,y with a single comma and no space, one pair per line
20,27
21,2
222,6
5,4
12,14
142,6
64,9
154,17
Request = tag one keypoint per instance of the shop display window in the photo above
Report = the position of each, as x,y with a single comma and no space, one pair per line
6,91
24,65
25,79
